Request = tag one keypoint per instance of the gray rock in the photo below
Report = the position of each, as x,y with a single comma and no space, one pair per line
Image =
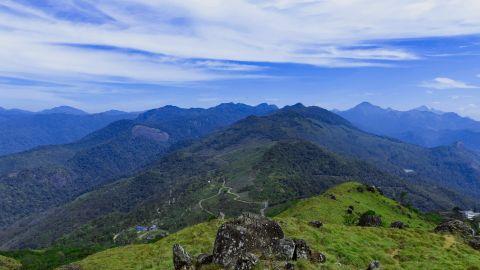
455,227
246,262
475,242
370,221
204,259
248,233
375,265
302,250
284,249
317,257
315,223
289,266
181,259
398,225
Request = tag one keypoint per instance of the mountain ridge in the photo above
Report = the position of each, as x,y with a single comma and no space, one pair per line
425,127
179,180
52,175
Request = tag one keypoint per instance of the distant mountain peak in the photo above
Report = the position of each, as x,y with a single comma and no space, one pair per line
296,106
64,110
367,107
425,108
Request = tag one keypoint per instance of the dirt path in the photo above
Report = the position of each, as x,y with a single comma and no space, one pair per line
236,197
211,197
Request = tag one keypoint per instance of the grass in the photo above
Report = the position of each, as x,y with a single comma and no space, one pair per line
9,263
346,246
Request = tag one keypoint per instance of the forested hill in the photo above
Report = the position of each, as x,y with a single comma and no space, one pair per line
48,176
293,153
23,130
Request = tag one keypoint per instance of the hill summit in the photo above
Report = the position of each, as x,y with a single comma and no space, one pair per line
345,244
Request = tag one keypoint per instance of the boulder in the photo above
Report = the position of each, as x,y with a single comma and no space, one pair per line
455,227
315,223
240,241
248,233
370,220
284,249
397,225
318,257
181,259
204,259
371,189
302,250
475,242
246,262
332,196
289,266
375,265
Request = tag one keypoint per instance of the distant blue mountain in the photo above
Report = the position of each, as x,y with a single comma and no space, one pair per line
21,130
64,110
422,126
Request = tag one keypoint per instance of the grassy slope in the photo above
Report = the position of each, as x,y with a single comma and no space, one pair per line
8,263
347,247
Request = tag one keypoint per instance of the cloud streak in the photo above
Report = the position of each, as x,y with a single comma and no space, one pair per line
442,83
80,43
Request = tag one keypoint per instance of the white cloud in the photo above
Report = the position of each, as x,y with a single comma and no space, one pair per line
219,34
446,83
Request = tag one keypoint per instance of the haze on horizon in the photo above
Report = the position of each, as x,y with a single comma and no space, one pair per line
134,55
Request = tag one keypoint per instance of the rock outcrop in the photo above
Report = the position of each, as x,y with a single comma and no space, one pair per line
398,225
370,219
375,265
241,243
247,233
475,242
455,227
181,259
204,259
315,223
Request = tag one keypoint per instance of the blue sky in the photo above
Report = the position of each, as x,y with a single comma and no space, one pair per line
140,54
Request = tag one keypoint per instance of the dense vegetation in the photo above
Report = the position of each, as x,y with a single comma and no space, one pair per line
275,159
41,178
7,263
272,160
346,246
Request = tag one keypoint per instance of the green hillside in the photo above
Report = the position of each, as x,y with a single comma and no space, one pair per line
9,264
347,246
295,153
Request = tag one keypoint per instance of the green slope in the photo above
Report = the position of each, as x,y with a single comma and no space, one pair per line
346,246
297,152
40,179
9,264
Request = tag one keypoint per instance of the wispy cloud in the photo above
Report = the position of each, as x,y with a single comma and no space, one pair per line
325,33
446,83
77,43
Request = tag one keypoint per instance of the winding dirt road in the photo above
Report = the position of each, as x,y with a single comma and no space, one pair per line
236,197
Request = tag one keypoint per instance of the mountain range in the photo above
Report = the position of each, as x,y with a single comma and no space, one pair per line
48,176
263,162
422,126
22,130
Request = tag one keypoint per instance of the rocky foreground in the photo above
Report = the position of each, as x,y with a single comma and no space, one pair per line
241,243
